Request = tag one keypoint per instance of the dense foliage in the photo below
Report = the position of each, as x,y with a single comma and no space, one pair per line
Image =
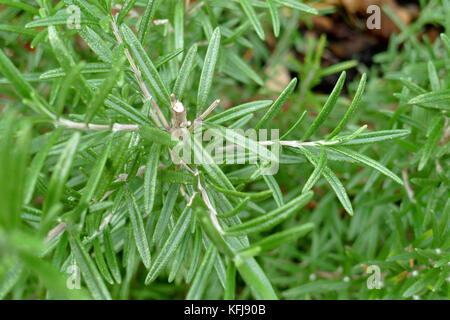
88,180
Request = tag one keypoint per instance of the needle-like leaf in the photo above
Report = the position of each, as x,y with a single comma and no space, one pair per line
251,14
150,178
354,105
277,105
61,172
272,218
170,245
139,234
207,74
317,173
327,108
368,162
275,17
146,67
166,212
185,71
90,272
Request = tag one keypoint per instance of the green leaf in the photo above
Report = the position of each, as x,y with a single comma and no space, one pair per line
108,83
251,14
446,40
241,65
327,108
127,111
368,162
270,219
440,99
275,17
240,123
377,136
150,178
93,67
275,240
178,28
17,29
433,139
194,256
248,268
179,177
126,8
67,62
180,257
234,137
148,70
294,4
277,105
158,136
94,180
161,60
96,43
200,281
230,286
14,76
238,32
236,210
61,173
89,271
240,111
433,76
101,263
333,180
252,195
58,20
51,279
170,245
11,277
207,74
37,164
317,286
296,124
421,283
256,279
317,173
110,254
351,110
341,140
185,71
88,9
337,68
20,5
15,142
103,5
23,88
416,89
138,229
275,188
211,168
66,85
166,211
147,19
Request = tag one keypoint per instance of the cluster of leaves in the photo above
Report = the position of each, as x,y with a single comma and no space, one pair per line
402,230
89,183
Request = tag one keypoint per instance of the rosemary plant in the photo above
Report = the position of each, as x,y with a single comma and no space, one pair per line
97,203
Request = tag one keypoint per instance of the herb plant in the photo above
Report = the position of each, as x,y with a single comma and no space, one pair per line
91,194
